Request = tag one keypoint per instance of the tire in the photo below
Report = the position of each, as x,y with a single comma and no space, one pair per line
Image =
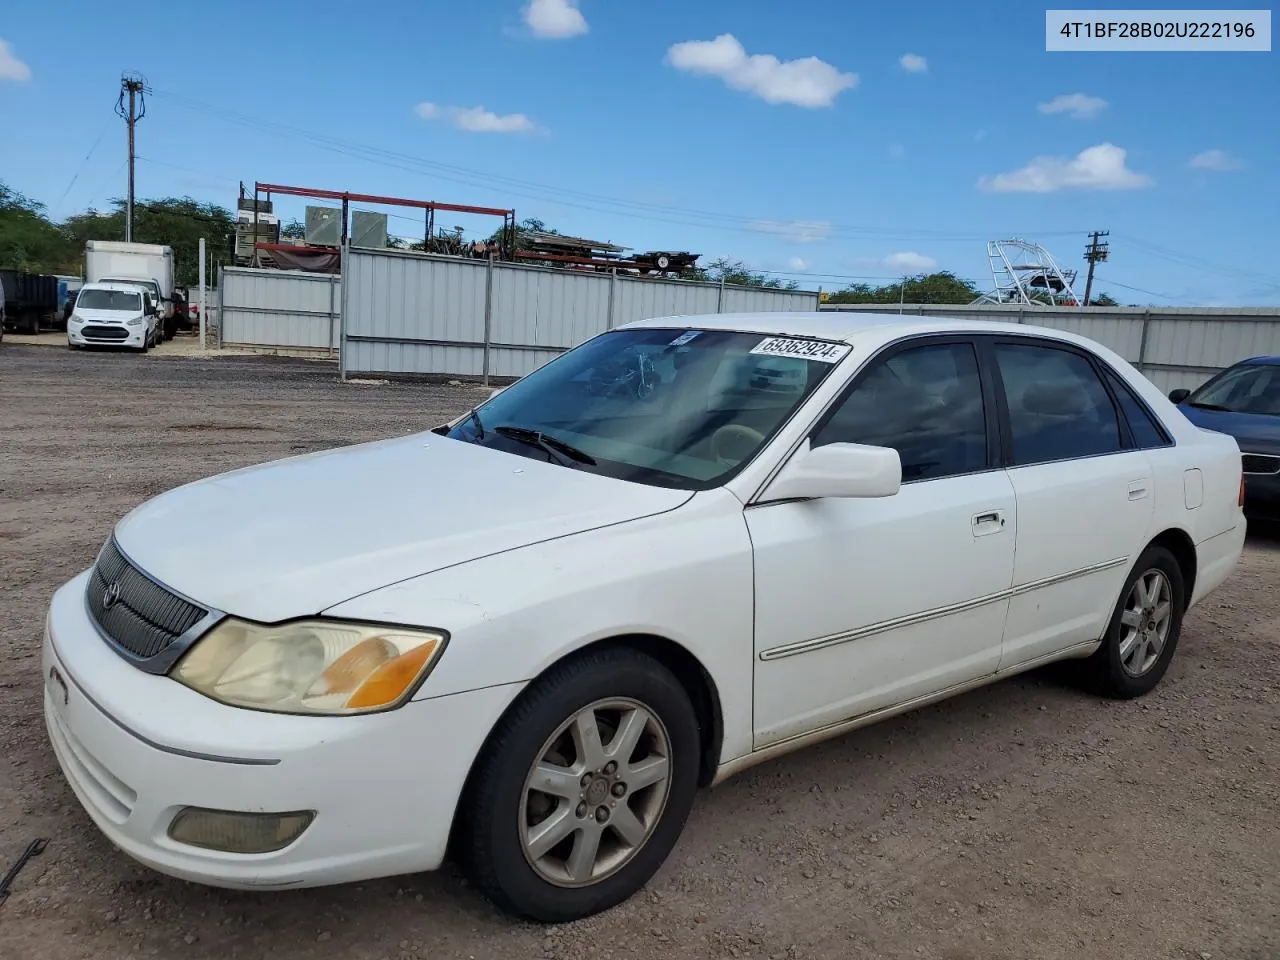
502,808
1119,670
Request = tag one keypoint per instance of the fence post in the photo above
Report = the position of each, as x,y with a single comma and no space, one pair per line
1142,343
333,316
1021,318
488,315
613,287
222,302
344,275
720,297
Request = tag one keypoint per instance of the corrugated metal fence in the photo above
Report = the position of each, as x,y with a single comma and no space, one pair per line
1173,346
284,311
410,313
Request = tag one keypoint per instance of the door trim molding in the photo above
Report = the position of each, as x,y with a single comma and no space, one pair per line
848,636
777,748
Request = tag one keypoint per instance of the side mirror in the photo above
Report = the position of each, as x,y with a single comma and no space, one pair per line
838,470
1177,396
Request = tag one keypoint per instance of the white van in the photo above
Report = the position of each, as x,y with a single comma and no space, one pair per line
114,314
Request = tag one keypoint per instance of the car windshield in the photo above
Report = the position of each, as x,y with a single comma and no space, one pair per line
668,407
122,300
1253,388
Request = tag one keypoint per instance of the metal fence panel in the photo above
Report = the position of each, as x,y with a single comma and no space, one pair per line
533,306
759,300
636,299
284,310
1180,347
412,313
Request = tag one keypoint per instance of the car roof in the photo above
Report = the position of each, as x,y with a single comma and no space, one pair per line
1263,361
127,286
849,326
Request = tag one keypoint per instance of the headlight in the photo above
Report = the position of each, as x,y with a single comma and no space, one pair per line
310,667
135,321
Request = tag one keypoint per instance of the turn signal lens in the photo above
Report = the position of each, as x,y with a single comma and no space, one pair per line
311,667
1240,502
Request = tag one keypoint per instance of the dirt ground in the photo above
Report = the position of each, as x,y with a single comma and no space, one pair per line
1027,820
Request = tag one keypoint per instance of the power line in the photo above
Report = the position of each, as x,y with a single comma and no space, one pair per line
83,164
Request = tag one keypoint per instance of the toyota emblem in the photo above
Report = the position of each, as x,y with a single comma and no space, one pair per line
110,596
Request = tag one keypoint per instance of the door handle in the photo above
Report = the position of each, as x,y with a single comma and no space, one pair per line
1137,489
988,522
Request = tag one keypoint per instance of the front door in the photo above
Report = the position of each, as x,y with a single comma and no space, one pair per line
865,604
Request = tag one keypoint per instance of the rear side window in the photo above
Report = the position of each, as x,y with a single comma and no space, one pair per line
1146,431
1058,408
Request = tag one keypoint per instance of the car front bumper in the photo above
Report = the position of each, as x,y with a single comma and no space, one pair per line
76,338
137,748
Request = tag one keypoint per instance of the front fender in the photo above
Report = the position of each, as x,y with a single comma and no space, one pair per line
685,575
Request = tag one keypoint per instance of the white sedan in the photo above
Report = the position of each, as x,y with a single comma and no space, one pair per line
686,546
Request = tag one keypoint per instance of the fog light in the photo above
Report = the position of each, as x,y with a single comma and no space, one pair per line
232,832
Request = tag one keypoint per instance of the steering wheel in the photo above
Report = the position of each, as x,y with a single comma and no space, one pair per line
734,436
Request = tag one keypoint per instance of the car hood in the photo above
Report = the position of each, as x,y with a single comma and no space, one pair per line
108,316
1255,433
293,537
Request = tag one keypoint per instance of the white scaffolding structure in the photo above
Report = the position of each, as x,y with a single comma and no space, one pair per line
1025,273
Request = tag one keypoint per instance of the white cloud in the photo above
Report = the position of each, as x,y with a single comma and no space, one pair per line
555,19
905,262
797,231
11,68
1096,168
808,82
913,63
1078,105
477,119
1219,161
797,265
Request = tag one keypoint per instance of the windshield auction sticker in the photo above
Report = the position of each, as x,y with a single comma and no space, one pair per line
820,350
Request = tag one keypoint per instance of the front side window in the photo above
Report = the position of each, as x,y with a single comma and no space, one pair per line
122,300
1058,408
667,407
1252,388
926,403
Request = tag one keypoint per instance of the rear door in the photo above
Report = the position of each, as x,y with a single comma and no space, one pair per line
1084,492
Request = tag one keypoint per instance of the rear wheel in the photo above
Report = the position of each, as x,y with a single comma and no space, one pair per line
1144,629
582,789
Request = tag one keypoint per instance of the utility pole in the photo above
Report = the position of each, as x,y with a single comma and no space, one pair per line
131,107
1094,253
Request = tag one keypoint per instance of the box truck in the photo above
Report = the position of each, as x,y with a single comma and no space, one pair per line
148,264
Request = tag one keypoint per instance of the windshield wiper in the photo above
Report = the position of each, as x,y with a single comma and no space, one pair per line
1208,406
537,438
474,417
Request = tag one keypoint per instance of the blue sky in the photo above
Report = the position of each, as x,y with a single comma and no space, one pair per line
817,138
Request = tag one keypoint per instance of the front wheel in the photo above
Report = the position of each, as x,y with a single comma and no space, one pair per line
1144,629
582,789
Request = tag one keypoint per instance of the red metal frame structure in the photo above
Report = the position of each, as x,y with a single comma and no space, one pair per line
429,206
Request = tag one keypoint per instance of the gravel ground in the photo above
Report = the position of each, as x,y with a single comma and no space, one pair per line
1024,820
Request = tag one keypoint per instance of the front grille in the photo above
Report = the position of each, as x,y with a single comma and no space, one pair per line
139,616
1260,463
92,332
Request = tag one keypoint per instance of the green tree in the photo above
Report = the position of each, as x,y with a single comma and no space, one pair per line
293,230
178,222
940,287
727,270
1104,300
29,241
